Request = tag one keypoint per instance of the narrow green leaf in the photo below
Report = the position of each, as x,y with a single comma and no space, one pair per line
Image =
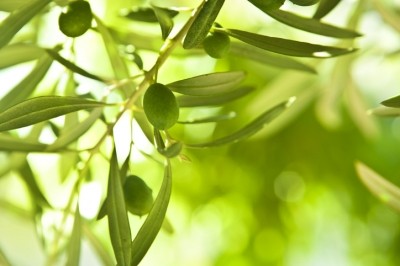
202,23
40,109
287,47
9,143
210,119
25,88
248,130
3,259
74,245
265,57
392,102
217,99
325,7
71,66
154,221
11,5
102,252
17,19
148,14
73,133
385,111
388,15
144,125
384,190
172,150
27,175
208,84
118,222
165,20
14,54
310,24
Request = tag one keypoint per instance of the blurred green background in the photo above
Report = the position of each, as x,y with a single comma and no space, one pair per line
287,196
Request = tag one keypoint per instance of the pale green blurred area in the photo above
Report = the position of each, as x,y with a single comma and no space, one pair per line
288,196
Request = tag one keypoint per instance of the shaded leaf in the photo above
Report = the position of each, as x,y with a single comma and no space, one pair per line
74,245
19,53
29,178
379,186
25,88
172,150
17,19
10,143
165,20
248,130
265,57
287,47
148,14
325,7
71,66
11,5
40,109
208,84
385,111
311,25
202,23
210,119
154,220
118,223
392,102
217,99
71,134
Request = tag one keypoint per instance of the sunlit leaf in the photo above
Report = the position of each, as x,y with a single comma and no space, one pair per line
210,119
311,25
71,134
71,66
392,102
25,88
74,245
287,47
154,220
265,57
385,111
11,5
202,23
40,109
118,223
379,186
248,130
217,99
17,19
29,178
325,7
9,143
165,20
208,84
19,53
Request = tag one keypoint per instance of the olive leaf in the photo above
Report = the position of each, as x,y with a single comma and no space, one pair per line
148,14
211,100
74,244
19,53
202,23
311,25
165,20
10,143
71,66
118,222
154,220
265,57
210,119
29,178
17,19
250,129
43,108
384,190
286,47
208,84
97,245
392,102
385,111
25,88
11,5
325,7
3,259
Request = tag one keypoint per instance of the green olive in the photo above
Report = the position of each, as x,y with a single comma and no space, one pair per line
77,20
267,4
160,106
217,45
138,195
304,2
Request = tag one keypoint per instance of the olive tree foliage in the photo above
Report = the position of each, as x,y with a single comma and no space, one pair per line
134,90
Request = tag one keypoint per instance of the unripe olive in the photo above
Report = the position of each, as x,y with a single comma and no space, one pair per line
138,196
77,20
304,2
267,4
160,106
217,44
